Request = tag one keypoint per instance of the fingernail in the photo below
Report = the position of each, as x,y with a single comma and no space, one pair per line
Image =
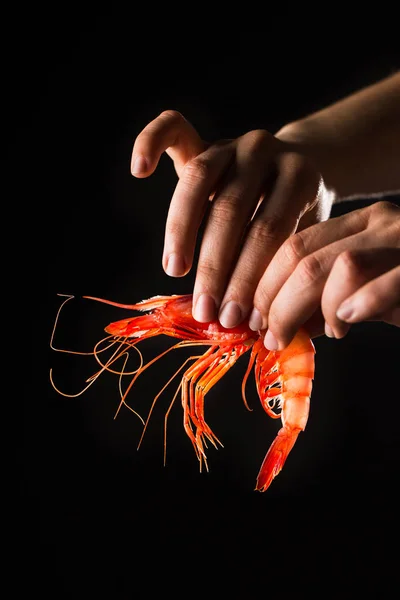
175,265
139,165
329,331
230,314
270,341
255,320
345,311
204,310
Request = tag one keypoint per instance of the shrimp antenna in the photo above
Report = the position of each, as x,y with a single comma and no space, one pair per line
139,372
67,297
105,366
120,383
170,406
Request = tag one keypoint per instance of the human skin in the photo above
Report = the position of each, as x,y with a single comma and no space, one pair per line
269,250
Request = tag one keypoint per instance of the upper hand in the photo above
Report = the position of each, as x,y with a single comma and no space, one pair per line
260,194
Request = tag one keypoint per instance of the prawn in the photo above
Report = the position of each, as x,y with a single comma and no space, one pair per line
283,378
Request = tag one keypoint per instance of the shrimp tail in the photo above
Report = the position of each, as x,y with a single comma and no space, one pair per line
276,456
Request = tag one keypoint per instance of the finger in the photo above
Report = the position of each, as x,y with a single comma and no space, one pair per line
297,282
198,181
231,210
378,299
169,132
294,250
351,270
301,294
276,219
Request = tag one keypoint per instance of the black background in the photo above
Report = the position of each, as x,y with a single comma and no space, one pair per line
96,518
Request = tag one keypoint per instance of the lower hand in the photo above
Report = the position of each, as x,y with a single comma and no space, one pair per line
342,271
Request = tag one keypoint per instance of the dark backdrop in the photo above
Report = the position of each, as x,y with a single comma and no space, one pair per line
95,517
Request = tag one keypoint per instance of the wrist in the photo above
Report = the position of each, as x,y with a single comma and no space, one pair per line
317,139
310,138
304,136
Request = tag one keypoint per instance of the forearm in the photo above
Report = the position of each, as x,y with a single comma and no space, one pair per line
355,142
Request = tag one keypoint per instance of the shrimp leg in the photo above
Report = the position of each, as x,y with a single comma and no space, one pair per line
228,357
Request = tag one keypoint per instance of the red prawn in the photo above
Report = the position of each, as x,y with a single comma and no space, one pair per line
283,378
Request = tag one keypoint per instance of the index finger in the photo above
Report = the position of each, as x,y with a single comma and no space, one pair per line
169,132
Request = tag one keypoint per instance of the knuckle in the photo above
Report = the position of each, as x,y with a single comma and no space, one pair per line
258,140
386,216
195,171
351,261
207,270
172,115
265,230
224,209
294,249
310,270
384,210
242,285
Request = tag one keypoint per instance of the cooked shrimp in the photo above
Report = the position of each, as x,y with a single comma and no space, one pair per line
283,378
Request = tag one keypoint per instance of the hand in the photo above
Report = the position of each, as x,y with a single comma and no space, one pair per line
260,194
348,268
